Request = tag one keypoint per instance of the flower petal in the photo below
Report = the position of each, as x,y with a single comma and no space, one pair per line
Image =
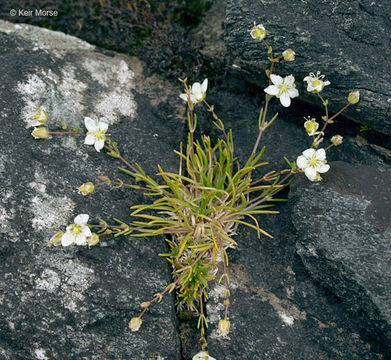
82,219
99,145
289,80
321,154
103,125
184,97
301,162
293,92
309,153
276,79
272,90
322,168
310,172
90,124
81,240
89,140
67,239
204,86
196,88
285,99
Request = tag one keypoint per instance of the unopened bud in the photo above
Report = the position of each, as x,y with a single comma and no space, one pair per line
56,238
93,239
223,327
311,126
40,133
354,97
135,323
87,188
289,55
337,140
258,32
41,116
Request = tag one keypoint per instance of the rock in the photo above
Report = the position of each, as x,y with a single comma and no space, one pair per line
348,41
76,302
343,229
277,311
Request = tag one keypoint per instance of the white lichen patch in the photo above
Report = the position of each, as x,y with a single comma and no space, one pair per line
46,39
40,354
287,319
49,212
49,281
215,311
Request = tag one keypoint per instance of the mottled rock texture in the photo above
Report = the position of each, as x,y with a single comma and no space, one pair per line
349,41
277,309
344,231
75,303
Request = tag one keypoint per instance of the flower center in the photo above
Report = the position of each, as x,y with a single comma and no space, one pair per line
316,83
312,162
284,87
76,229
100,134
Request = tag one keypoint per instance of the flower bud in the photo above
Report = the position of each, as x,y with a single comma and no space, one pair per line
40,133
223,327
41,116
354,97
311,126
289,55
258,32
135,323
337,140
87,188
93,239
56,238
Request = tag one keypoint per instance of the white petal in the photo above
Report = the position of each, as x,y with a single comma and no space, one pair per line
196,88
89,140
67,239
289,80
103,125
301,162
99,145
193,98
293,92
272,90
310,172
183,97
327,83
82,219
309,153
81,240
276,79
90,124
204,86
321,154
86,231
307,78
285,99
322,168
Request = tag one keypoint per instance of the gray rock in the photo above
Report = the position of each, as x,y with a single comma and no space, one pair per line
344,228
349,41
75,303
277,311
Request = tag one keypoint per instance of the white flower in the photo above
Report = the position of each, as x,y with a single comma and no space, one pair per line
315,83
258,32
313,162
40,132
78,232
203,355
223,327
283,88
96,133
197,92
135,323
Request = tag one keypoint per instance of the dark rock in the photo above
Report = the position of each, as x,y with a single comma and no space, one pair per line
349,41
277,311
343,229
75,303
